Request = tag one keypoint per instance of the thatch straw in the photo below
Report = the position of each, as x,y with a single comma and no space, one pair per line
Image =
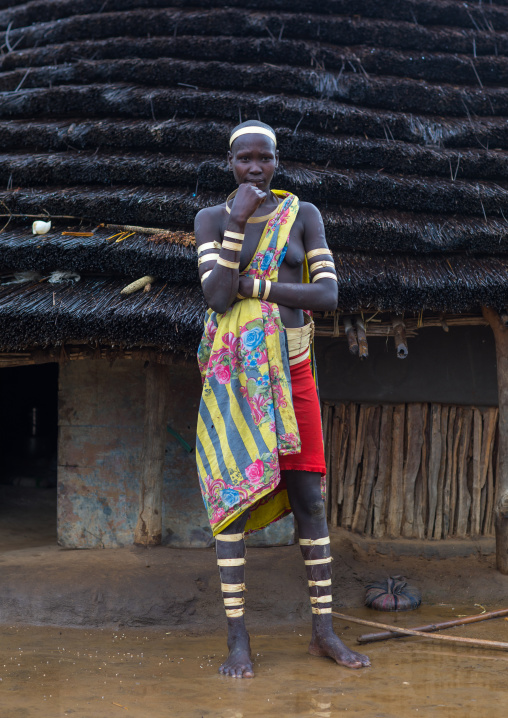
451,283
168,255
432,67
455,284
425,12
409,33
387,93
390,117
206,138
40,314
315,114
365,230
354,188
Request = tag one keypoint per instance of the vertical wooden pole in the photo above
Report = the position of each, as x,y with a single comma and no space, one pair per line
463,495
447,491
411,465
336,441
370,466
501,506
148,530
356,441
383,474
396,505
422,482
438,526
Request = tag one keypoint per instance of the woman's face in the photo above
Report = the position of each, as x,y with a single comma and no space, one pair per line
253,159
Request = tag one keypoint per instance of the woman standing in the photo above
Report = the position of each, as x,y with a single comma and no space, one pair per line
263,261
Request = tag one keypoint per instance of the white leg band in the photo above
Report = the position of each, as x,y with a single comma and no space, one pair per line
318,561
236,612
319,611
319,599
231,561
239,601
326,582
314,542
229,537
232,587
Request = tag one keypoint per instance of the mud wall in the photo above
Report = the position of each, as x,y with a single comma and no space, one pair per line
100,421
99,456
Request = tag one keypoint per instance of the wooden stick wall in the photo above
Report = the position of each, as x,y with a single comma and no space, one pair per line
411,470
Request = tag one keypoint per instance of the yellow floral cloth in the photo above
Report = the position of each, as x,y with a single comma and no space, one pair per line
246,416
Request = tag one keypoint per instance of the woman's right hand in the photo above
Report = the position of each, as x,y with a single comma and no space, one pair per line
246,201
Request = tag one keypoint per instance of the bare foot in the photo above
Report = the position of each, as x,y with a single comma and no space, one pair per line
328,644
239,663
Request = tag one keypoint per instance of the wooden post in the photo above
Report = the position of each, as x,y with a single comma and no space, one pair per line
463,495
447,522
501,506
396,505
383,474
370,466
149,526
434,466
438,526
411,465
336,442
422,480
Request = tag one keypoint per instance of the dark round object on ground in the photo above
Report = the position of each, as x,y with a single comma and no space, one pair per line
394,594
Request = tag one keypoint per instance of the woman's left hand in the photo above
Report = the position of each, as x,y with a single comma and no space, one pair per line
245,286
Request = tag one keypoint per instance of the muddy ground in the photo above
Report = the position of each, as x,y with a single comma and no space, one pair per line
50,672
41,583
95,634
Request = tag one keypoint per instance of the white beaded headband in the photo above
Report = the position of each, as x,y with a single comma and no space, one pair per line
253,130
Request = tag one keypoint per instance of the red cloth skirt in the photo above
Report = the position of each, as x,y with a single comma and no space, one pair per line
308,418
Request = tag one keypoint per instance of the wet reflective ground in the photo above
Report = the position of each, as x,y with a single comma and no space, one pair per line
51,672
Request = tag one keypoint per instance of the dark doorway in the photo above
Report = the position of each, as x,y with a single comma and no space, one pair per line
28,453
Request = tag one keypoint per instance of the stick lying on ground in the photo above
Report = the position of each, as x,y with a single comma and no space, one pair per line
385,635
435,636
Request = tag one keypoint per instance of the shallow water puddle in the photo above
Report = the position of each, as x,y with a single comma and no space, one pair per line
51,673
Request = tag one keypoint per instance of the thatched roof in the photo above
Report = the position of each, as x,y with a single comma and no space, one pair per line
391,117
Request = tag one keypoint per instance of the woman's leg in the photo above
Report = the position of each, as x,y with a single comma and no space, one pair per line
230,547
304,491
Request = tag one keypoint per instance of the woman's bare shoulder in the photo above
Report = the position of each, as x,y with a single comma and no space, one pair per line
308,211
209,218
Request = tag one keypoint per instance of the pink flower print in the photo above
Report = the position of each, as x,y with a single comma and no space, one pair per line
289,441
214,486
274,461
211,330
270,327
218,514
256,405
263,357
219,355
231,341
255,472
222,373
